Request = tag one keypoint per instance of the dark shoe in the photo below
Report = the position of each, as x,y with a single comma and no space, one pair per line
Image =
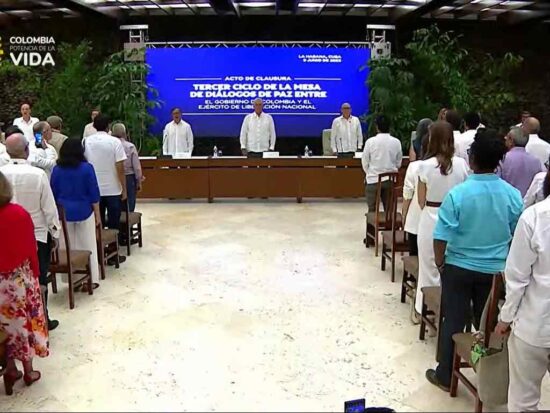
31,377
52,324
112,261
431,375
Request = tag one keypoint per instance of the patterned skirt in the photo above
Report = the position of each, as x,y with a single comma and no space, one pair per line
22,314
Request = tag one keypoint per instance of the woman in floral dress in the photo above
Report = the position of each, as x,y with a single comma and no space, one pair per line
21,308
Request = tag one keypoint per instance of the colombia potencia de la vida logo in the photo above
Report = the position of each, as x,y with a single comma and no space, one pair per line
28,50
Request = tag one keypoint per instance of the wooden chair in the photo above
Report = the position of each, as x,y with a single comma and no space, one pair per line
431,313
394,240
130,227
410,276
463,344
107,248
70,262
379,221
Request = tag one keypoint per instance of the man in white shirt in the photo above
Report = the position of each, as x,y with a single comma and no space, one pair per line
89,128
43,155
26,122
106,154
465,140
257,132
527,306
177,137
536,146
455,120
4,157
382,154
31,190
346,136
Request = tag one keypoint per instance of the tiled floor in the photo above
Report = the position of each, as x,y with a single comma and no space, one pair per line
240,306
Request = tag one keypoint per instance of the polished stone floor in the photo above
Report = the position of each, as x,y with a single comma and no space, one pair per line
240,306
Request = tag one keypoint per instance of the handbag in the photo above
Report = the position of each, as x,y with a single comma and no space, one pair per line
491,366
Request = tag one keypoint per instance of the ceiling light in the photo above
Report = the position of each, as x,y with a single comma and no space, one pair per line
257,4
312,5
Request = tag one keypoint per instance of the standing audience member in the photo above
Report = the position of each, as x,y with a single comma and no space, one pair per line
422,130
26,122
106,154
177,137
411,209
526,307
535,193
22,313
75,188
519,167
536,146
43,155
524,116
471,241
132,166
31,189
437,175
463,143
89,129
382,154
455,120
346,136
57,138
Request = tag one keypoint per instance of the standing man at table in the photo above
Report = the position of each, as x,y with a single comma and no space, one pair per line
346,136
258,132
177,137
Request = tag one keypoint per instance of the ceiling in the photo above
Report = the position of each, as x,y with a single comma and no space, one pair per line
394,11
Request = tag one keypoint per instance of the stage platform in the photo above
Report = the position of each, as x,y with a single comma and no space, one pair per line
241,177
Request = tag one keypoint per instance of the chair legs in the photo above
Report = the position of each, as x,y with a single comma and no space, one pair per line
71,290
403,288
89,273
393,265
454,375
383,262
53,277
140,235
129,241
422,334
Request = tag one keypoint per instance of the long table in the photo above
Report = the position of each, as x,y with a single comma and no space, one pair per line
240,177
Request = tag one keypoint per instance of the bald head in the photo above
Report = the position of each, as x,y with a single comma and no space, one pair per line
532,126
17,146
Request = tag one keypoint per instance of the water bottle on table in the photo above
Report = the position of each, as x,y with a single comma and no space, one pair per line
306,152
215,152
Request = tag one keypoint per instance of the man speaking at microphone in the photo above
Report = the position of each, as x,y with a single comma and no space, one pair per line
346,136
257,132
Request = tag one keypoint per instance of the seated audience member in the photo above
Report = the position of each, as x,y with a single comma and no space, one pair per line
535,193
132,166
57,138
536,146
471,241
43,155
519,167
437,174
75,188
526,307
411,209
382,154
22,316
464,141
455,120
107,156
31,189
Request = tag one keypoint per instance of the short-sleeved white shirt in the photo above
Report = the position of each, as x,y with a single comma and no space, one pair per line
437,184
103,151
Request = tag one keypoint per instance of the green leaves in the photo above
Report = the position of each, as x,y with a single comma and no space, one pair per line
436,71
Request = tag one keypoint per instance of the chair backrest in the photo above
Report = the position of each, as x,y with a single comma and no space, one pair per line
396,196
392,179
491,313
67,241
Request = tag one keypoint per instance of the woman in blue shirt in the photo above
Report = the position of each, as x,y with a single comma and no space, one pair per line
74,186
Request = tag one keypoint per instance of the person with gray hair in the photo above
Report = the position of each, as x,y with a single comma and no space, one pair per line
346,136
132,166
57,138
257,132
536,146
177,137
31,190
519,167
42,154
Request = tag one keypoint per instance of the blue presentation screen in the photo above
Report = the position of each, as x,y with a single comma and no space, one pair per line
302,87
